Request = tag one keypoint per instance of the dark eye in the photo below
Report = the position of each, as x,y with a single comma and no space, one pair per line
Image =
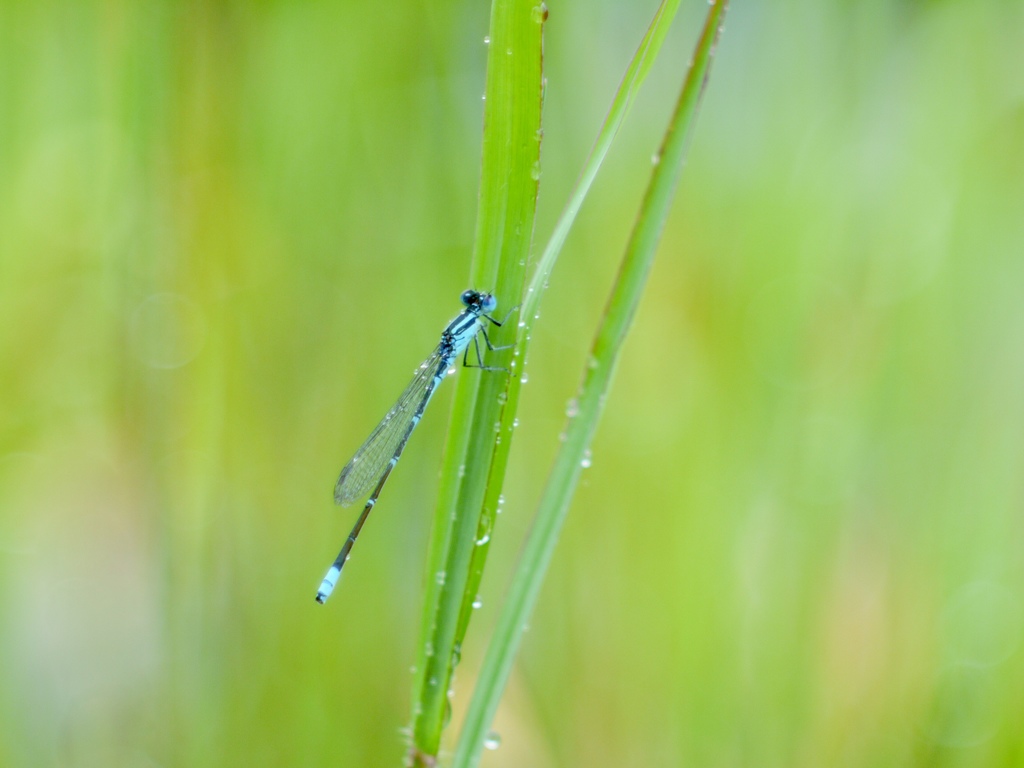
490,303
469,297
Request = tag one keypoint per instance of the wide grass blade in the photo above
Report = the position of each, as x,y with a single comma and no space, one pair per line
618,316
508,197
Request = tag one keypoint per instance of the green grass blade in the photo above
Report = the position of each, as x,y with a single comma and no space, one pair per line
635,75
508,197
624,97
621,308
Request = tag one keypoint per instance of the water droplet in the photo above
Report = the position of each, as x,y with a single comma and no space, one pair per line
535,170
478,603
428,649
487,40
508,51
502,398
515,422
501,500
440,578
593,363
497,426
451,371
656,158
524,379
483,539
493,741
572,408
585,461
522,323
484,97
539,13
462,470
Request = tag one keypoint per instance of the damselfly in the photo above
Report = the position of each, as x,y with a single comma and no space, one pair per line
373,462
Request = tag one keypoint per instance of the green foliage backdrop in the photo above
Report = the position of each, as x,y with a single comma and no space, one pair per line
228,233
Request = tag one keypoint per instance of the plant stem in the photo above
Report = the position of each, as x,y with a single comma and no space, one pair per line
508,198
618,316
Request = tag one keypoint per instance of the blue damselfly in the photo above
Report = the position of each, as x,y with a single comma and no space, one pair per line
373,462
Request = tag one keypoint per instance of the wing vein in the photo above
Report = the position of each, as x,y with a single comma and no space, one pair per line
370,462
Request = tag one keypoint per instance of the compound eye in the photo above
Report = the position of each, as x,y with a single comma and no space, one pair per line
490,303
469,297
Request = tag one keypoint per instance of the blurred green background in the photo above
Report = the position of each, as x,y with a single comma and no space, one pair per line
228,233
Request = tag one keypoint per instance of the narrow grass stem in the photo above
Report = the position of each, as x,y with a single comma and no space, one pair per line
636,72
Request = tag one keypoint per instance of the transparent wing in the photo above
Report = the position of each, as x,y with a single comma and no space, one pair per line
371,460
